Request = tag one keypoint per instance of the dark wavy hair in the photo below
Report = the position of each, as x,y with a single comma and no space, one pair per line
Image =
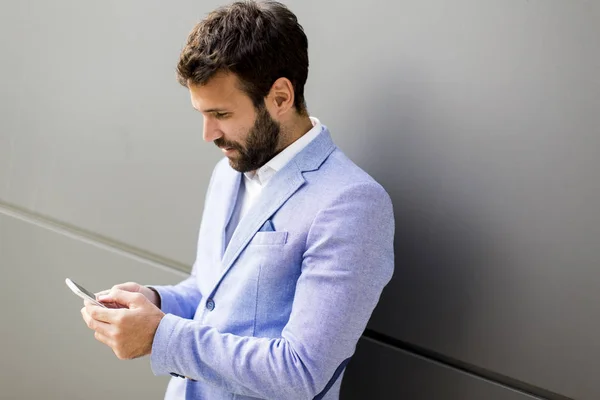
259,42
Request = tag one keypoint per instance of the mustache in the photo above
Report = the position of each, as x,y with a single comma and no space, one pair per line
222,143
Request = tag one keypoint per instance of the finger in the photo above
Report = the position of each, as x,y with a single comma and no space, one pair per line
103,339
128,287
87,303
112,304
86,316
108,304
95,324
128,299
101,314
102,328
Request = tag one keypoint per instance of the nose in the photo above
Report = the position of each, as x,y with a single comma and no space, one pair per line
211,130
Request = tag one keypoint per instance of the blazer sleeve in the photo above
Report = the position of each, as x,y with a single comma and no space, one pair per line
182,299
347,262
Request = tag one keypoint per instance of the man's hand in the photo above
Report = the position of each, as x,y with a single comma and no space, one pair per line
134,288
128,331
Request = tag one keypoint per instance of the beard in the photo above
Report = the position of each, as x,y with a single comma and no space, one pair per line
261,143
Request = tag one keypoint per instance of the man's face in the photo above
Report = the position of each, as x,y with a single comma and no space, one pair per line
248,137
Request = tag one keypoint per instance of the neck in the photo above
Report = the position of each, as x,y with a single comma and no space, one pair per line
294,130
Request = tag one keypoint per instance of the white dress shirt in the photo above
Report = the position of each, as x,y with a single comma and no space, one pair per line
254,181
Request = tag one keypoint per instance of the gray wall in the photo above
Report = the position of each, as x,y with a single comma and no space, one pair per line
481,118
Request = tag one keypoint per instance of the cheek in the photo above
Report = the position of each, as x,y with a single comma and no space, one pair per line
236,132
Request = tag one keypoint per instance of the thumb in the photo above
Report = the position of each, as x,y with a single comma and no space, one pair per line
128,286
123,297
102,293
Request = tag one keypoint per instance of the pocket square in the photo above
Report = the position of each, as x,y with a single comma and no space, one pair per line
267,227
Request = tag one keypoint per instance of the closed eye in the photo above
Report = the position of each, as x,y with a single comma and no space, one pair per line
221,115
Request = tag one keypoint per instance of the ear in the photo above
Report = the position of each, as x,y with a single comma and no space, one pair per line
281,97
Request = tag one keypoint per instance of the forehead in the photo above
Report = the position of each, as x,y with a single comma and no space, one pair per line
221,91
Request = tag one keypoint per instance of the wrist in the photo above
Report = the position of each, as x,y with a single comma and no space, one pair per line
154,296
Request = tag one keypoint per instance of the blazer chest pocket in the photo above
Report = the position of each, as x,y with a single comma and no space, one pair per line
269,238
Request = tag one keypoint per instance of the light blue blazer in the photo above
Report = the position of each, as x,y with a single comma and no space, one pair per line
275,313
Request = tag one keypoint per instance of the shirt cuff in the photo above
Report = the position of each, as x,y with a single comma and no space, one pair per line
168,300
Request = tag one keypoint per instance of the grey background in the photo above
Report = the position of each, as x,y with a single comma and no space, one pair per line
481,119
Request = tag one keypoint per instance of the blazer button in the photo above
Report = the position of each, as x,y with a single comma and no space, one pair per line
210,304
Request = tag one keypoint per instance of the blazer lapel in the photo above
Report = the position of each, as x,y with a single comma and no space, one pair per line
230,189
283,184
279,189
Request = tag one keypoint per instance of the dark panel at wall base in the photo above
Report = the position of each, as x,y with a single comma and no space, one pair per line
378,371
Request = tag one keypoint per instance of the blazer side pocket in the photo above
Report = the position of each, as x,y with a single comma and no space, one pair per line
269,238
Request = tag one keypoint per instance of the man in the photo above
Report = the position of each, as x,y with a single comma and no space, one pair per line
295,244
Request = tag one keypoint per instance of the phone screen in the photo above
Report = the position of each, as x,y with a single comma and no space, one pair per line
84,290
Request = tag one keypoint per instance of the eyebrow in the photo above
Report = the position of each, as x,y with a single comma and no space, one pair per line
211,110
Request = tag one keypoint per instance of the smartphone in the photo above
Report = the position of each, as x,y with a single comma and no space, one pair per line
83,292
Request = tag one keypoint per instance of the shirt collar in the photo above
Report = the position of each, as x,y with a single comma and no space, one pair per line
266,172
